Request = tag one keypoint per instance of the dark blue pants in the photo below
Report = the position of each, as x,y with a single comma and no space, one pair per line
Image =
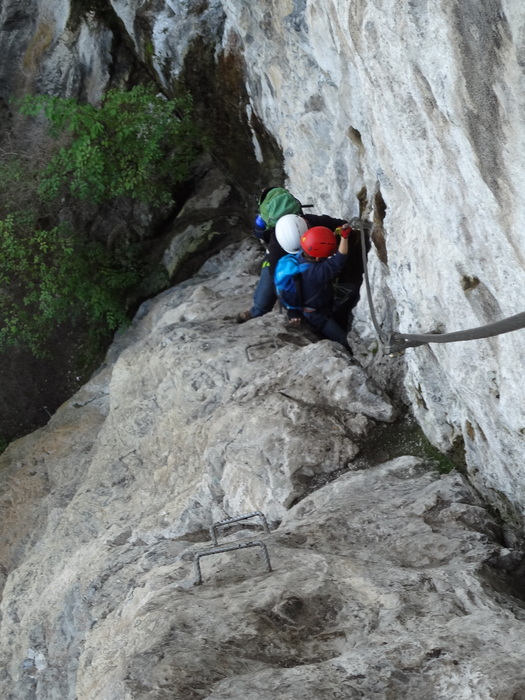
327,327
264,296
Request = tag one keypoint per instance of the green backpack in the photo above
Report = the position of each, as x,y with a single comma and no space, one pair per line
278,202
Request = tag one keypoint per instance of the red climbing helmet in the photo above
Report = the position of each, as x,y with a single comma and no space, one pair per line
319,242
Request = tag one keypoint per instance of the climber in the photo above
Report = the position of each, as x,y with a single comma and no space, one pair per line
282,239
326,260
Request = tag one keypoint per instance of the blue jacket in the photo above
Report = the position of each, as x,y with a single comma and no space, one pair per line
316,282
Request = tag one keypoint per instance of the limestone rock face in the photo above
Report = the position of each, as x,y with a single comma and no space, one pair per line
423,106
386,581
411,111
381,581
416,109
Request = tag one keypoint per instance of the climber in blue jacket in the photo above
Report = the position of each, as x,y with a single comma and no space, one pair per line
279,241
326,260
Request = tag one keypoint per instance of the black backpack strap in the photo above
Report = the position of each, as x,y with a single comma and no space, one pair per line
298,279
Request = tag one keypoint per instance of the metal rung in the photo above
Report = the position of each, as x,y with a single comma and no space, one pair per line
261,350
223,523
227,548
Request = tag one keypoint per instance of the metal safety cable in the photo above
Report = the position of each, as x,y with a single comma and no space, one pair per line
380,332
397,342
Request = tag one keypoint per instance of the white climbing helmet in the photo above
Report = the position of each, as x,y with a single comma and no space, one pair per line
288,231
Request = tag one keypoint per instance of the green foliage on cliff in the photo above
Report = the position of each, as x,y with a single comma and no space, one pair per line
136,144
49,277
135,147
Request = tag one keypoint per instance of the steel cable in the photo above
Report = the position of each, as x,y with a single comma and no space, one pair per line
397,342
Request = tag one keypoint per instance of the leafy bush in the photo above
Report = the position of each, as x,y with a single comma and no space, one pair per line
135,147
48,277
136,144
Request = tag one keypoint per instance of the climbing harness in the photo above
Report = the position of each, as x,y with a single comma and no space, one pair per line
398,342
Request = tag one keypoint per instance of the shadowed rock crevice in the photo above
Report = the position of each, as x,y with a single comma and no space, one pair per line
504,577
221,98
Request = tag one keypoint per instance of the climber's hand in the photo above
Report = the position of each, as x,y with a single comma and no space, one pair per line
346,230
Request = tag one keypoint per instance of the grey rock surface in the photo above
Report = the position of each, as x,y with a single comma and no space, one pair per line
387,581
390,581
409,111
193,419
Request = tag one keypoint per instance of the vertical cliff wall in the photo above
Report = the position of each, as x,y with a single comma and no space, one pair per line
422,104
390,579
413,108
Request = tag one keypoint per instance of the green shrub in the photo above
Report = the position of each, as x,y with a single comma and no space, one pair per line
136,144
49,277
